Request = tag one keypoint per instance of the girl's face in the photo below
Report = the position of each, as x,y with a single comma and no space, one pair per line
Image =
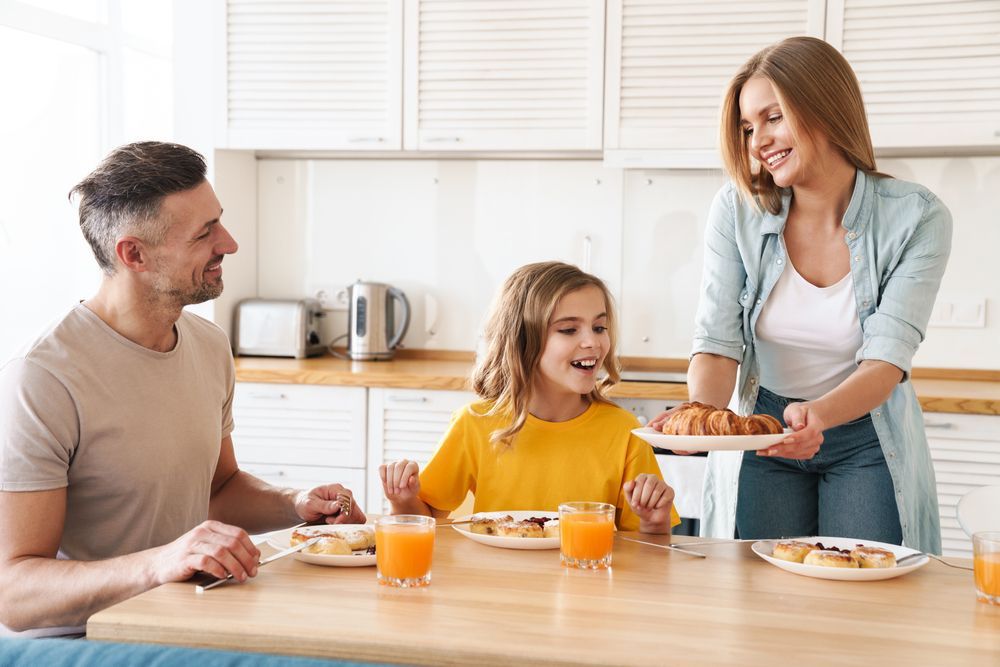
576,343
770,139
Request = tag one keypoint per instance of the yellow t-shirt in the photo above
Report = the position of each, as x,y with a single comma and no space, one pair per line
587,458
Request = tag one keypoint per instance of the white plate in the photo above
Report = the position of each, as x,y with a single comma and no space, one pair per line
765,547
282,539
708,443
511,542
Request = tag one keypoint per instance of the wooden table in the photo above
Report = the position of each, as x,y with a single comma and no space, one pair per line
492,606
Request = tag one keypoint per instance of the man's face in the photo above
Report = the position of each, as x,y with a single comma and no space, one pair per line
186,267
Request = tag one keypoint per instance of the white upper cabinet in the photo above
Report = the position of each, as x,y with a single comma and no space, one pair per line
929,69
323,74
669,61
503,74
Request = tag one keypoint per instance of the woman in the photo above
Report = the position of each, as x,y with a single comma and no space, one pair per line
820,275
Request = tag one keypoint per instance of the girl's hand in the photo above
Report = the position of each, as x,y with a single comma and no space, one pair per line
807,436
651,499
400,480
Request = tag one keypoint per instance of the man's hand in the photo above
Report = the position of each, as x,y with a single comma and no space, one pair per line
213,547
400,480
651,499
807,435
333,503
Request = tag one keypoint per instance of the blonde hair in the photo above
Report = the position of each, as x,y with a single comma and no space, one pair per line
515,335
818,93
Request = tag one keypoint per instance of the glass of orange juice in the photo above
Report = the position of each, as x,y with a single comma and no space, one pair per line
404,546
586,534
986,565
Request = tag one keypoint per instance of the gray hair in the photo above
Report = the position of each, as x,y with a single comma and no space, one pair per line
123,195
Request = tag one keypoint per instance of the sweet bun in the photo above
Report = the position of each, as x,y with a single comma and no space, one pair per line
793,551
873,557
551,529
694,418
358,539
826,558
519,529
486,525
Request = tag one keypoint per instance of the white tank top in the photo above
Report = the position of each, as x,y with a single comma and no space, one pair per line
807,336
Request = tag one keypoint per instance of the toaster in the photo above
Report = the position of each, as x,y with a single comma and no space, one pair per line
278,328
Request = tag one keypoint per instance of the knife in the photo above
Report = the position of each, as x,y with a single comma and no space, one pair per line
678,548
270,559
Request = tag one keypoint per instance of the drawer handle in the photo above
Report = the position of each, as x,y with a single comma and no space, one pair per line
268,395
941,425
408,399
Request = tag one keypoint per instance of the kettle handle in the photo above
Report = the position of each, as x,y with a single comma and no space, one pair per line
397,337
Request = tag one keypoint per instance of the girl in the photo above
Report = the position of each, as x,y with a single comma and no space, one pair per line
819,279
543,432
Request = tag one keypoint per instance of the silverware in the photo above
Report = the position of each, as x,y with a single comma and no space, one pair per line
270,559
672,547
905,559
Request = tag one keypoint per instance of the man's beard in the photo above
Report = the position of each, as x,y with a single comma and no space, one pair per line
178,297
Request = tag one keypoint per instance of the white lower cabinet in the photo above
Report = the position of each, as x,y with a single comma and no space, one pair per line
406,424
301,435
966,454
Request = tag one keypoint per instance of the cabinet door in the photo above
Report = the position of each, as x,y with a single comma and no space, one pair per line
929,71
668,64
308,477
299,425
406,424
503,75
966,454
325,74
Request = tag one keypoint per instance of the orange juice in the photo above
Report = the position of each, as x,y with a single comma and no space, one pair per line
986,568
586,536
403,553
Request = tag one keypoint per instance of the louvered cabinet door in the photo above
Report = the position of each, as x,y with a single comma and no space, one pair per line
325,74
503,74
966,454
669,62
929,69
406,424
299,425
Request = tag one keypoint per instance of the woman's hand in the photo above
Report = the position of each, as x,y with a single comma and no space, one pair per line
651,499
807,433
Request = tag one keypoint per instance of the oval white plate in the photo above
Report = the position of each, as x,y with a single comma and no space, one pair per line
511,542
282,539
765,547
708,443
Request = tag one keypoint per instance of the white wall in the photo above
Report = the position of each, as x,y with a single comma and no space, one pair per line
448,231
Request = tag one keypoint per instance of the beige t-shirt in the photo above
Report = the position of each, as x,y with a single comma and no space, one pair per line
132,434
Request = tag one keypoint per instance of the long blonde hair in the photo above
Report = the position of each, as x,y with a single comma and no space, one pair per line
818,93
515,336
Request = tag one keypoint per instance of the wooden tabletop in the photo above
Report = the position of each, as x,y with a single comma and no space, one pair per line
936,395
498,606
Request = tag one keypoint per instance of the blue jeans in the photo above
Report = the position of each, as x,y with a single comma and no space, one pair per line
843,491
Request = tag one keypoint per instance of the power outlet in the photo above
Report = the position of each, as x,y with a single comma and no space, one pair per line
331,298
959,312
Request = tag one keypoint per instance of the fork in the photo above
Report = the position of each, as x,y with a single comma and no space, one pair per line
904,559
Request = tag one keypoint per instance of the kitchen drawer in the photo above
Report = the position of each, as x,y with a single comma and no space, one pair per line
308,477
300,425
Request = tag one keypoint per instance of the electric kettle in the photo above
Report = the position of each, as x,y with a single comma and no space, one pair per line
371,330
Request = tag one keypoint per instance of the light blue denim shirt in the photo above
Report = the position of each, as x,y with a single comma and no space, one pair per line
899,235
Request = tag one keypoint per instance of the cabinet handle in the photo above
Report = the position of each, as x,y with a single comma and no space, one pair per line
587,245
268,396
366,140
442,140
942,425
408,399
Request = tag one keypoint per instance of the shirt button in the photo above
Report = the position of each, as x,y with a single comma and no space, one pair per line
857,258
878,413
753,380
758,302
779,262
851,235
892,455
866,303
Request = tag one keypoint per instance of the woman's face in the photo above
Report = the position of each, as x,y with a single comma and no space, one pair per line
770,139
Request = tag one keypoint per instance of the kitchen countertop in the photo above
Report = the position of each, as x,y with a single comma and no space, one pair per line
936,395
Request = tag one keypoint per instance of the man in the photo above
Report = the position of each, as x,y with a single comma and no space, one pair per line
117,471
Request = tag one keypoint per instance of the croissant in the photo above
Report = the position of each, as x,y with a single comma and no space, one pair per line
696,418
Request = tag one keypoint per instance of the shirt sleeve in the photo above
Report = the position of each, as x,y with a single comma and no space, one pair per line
639,459
719,319
227,407
39,429
451,473
897,327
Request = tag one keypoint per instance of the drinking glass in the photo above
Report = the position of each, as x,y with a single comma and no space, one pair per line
404,546
986,565
586,534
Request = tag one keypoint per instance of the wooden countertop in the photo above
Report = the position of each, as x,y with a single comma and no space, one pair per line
490,606
936,395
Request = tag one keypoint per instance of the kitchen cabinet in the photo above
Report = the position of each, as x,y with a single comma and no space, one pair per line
406,424
503,75
301,435
325,74
965,450
667,67
929,71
